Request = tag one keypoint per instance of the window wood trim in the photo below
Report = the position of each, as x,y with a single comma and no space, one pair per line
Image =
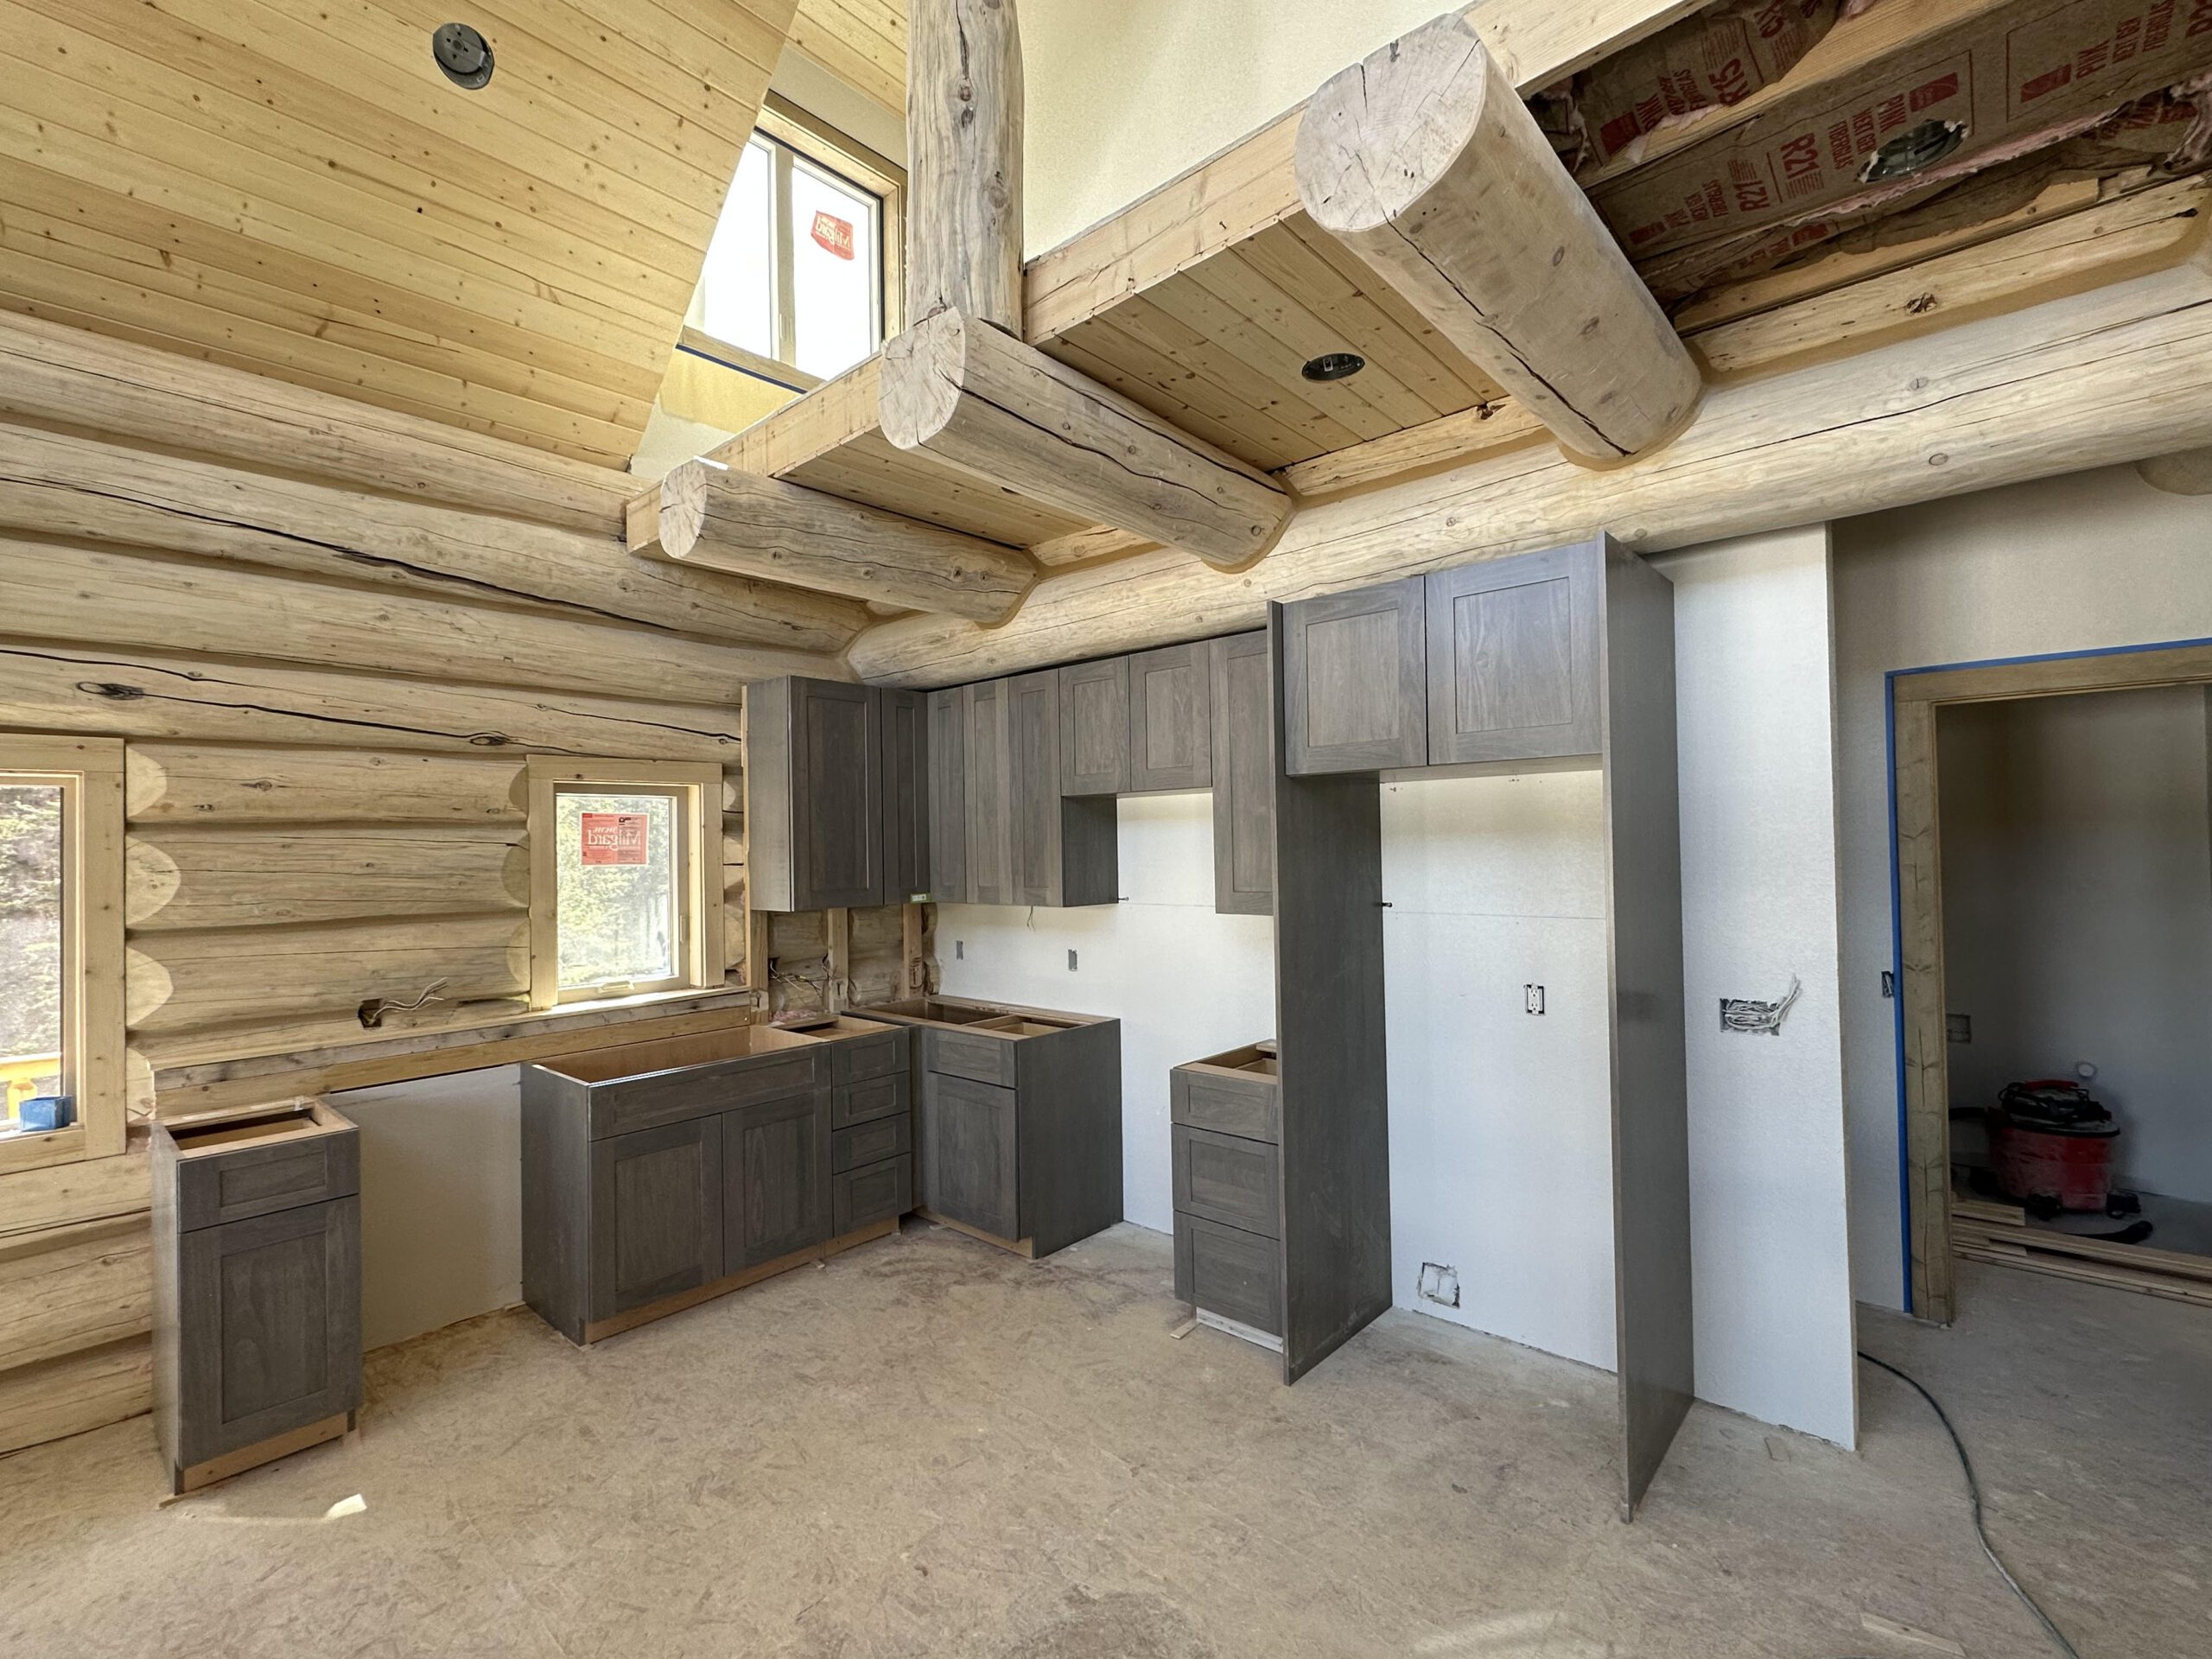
795,129
92,948
705,952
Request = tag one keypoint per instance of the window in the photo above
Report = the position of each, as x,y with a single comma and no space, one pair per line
625,879
61,1088
803,270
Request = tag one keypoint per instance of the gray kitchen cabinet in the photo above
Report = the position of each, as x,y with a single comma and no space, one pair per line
1355,681
1243,775
1513,658
1227,1166
1095,727
970,1147
813,794
1019,1136
905,797
990,808
775,1169
657,1174
1171,719
256,1294
950,882
656,1214
1063,851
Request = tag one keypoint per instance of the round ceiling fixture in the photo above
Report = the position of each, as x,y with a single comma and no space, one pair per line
1334,366
464,55
1909,152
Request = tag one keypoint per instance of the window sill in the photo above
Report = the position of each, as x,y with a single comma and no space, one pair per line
571,1028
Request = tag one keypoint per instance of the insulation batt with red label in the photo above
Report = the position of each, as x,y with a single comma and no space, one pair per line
1999,84
613,837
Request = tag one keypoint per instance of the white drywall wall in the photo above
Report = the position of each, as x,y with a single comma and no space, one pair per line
2078,563
1501,1121
1184,981
441,1200
1755,716
2077,913
1121,98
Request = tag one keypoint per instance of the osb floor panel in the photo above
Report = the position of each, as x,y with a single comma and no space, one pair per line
928,1447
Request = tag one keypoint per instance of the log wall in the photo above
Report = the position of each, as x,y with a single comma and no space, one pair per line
328,681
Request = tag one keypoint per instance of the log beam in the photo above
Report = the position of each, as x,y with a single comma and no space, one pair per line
964,157
2092,379
1423,162
984,403
720,517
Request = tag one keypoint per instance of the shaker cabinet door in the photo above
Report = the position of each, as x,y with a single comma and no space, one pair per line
656,1214
1513,658
1171,719
775,1179
1244,776
1355,688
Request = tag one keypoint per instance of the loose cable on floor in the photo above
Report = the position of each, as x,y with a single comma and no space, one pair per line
1973,1492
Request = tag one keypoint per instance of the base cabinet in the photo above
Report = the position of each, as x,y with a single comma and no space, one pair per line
1228,1171
257,1287
970,1154
736,1174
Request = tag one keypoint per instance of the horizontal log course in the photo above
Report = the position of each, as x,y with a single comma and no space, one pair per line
2092,379
80,689
260,976
68,1195
50,372
75,1288
110,597
192,877
173,782
1423,160
62,484
718,517
984,403
75,1392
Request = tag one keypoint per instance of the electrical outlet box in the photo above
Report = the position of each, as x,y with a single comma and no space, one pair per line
1533,998
1958,1027
1440,1284
960,950
1070,961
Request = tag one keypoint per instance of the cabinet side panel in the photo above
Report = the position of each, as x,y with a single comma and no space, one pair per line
1069,1098
1332,1056
770,875
1651,1191
555,1200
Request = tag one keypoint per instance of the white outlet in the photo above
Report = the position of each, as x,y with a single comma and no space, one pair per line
1533,996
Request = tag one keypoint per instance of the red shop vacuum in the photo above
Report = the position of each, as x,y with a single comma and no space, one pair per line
2051,1145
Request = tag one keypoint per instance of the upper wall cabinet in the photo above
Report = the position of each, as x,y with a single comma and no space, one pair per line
1064,851
990,808
1355,685
906,808
813,794
950,879
1243,776
1095,729
1171,719
1513,658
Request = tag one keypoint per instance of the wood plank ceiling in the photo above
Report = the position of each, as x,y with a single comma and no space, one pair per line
292,187
863,43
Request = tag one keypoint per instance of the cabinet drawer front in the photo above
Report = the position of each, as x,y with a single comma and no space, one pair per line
261,1180
1249,1107
856,1058
269,1326
645,1103
858,1103
1225,1179
1236,1274
978,1059
871,1143
879,1192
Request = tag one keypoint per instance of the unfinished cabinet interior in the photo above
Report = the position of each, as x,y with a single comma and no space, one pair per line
257,1287
657,1174
836,795
1018,1119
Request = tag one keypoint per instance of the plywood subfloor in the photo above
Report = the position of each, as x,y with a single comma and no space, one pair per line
929,1447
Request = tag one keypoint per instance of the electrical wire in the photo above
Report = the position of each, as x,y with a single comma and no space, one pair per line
1973,1493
